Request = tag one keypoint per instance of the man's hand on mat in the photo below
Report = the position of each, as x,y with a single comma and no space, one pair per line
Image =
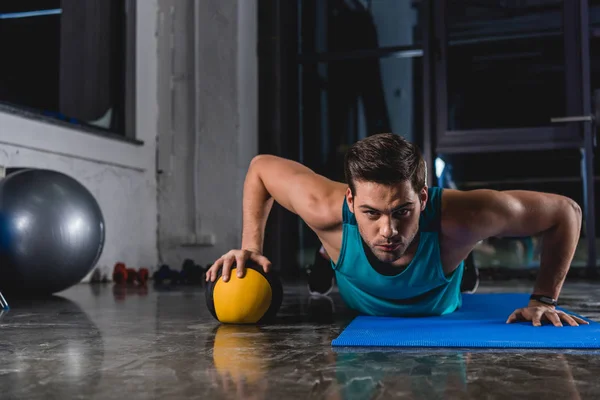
537,313
239,257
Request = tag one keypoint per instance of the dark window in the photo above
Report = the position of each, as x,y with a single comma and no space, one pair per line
505,64
66,60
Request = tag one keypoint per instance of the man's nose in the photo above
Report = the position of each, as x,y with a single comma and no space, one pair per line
388,229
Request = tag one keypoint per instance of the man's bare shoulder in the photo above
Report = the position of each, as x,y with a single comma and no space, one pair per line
478,214
334,203
460,208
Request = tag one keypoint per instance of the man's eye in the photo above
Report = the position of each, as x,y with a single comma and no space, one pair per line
402,212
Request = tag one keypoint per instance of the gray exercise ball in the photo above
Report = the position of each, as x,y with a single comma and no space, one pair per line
51,232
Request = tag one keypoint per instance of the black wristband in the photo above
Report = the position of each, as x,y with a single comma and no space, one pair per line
543,299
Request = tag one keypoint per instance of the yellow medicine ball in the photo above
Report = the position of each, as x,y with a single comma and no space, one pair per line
254,298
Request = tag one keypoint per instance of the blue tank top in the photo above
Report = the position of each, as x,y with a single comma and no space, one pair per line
421,289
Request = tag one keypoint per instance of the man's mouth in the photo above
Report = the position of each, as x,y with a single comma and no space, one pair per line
389,247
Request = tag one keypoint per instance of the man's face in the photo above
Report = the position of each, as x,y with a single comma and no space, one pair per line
387,216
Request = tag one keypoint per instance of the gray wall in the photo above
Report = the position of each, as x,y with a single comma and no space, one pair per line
207,91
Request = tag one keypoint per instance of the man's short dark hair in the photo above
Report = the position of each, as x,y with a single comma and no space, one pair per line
386,159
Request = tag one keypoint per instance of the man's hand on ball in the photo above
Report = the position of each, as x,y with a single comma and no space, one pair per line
239,257
538,312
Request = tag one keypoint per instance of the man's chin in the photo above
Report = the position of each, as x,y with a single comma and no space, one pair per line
387,257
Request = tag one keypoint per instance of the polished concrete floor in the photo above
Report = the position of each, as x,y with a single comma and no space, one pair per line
111,342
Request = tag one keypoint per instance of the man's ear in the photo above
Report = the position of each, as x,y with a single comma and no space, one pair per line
350,200
423,197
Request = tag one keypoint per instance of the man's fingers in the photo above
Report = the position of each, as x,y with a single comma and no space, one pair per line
262,261
240,258
211,274
553,317
573,318
227,263
207,274
240,261
514,317
537,318
568,319
537,314
580,320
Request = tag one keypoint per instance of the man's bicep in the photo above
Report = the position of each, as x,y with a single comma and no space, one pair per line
481,214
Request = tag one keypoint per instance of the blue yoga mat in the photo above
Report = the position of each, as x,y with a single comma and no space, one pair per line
480,323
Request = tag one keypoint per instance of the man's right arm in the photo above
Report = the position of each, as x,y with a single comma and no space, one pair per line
292,185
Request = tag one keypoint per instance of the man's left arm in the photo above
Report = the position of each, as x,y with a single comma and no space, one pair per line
557,219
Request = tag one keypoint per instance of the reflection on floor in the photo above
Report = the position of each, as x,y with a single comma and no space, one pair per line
108,342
